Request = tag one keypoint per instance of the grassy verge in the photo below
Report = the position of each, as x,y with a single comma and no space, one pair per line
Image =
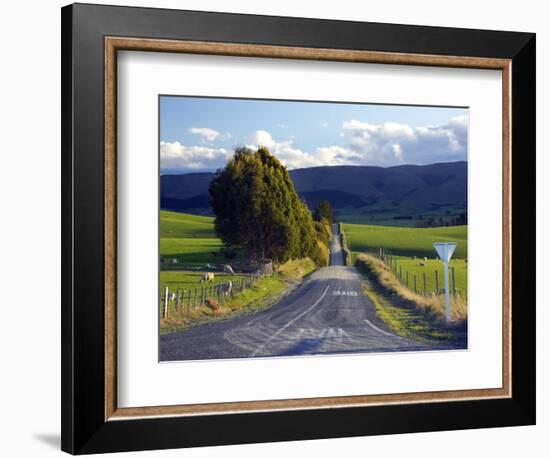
262,294
407,313
348,256
405,321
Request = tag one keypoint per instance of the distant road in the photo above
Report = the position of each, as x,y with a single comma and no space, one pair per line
327,313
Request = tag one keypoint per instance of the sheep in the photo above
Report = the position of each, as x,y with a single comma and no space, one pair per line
227,288
208,276
227,269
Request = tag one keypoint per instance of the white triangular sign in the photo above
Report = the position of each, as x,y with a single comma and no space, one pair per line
445,250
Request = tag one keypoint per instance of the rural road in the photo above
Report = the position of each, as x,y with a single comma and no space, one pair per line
326,313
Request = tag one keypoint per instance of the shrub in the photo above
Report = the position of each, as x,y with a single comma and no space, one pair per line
320,254
213,304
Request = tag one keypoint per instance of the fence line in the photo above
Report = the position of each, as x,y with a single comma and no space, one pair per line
184,301
348,258
403,276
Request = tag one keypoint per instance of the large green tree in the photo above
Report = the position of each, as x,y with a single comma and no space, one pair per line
258,210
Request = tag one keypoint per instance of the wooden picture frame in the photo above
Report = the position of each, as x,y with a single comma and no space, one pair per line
91,420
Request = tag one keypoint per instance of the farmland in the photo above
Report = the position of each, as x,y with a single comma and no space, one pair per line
408,247
189,238
419,268
184,280
405,241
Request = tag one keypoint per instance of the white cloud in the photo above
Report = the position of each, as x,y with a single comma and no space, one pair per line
365,144
295,158
174,155
209,134
394,143
285,151
324,124
262,138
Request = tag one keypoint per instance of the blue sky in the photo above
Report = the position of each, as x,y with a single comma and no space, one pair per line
199,134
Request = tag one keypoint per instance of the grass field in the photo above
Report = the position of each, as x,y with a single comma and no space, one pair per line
184,280
405,241
413,267
263,293
189,238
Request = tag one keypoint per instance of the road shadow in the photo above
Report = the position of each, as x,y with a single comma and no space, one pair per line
53,440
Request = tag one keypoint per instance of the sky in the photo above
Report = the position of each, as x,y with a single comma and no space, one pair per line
199,134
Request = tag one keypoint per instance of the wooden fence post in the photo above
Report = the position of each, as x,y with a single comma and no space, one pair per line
400,274
414,283
166,302
195,298
177,300
453,275
407,275
436,282
424,278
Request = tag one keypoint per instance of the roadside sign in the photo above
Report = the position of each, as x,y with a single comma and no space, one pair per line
445,251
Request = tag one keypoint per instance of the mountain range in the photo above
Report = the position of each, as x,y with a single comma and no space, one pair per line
350,189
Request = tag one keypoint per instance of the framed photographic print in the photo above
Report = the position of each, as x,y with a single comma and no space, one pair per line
285,228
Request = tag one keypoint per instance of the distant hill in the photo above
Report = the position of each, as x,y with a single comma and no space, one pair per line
352,190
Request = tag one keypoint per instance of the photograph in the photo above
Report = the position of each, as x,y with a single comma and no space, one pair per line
294,228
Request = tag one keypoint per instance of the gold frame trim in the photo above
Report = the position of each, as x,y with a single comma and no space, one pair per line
114,44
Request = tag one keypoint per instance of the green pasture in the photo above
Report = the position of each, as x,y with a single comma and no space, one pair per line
415,267
190,239
184,280
405,241
173,224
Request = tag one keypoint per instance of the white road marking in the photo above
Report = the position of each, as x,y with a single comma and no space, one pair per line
378,329
322,333
261,347
345,293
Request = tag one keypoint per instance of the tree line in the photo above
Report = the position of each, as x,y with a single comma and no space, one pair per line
258,211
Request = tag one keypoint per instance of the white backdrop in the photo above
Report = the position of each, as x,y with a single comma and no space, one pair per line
30,230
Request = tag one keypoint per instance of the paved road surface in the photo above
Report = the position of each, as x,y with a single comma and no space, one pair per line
327,313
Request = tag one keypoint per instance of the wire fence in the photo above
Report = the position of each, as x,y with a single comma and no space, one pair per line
185,301
429,282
